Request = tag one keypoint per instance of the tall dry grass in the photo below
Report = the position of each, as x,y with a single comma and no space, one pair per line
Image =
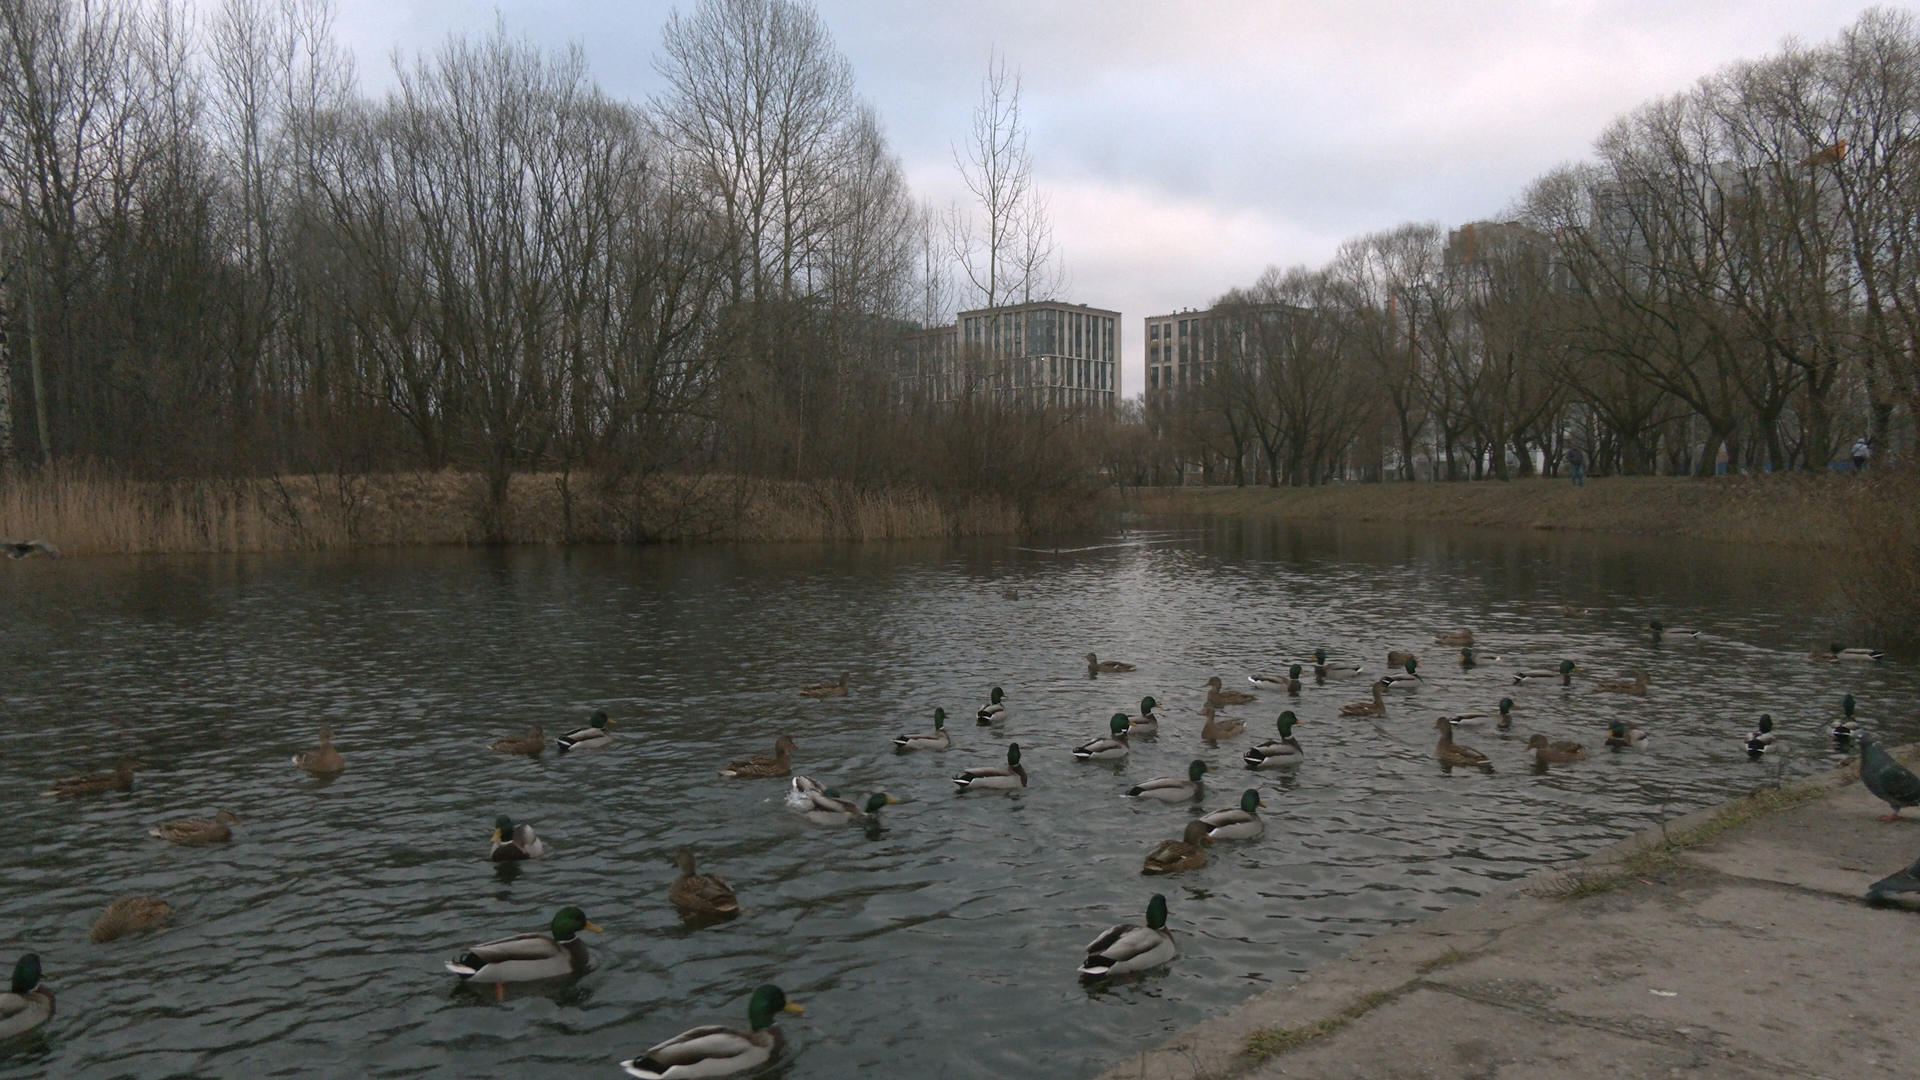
88,512
1879,565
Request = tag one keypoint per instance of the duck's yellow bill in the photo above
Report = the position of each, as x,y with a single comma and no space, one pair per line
592,927
891,800
793,1007
496,836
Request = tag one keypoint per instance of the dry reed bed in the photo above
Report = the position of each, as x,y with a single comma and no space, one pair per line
86,513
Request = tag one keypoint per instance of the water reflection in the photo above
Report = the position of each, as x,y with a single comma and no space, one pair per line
946,942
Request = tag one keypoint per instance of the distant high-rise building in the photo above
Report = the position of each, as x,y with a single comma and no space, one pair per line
1046,353
1180,348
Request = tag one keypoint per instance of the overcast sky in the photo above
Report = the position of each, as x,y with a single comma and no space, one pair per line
1187,146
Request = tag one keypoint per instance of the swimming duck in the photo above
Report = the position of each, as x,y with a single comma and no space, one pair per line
1128,948
1274,753
718,1051
1290,682
1146,723
1013,776
322,760
1466,658
1557,752
1214,730
827,689
1856,655
28,1004
1376,707
120,779
1506,713
760,767
1405,679
994,710
512,843
130,913
1637,686
1467,719
1187,853
939,740
699,894
597,733
1452,753
1172,788
1237,824
1097,666
1762,740
529,957
1398,659
1111,748
26,549
1219,698
530,744
1454,638
192,831
824,807
1565,674
1846,727
1621,735
1324,670
1658,631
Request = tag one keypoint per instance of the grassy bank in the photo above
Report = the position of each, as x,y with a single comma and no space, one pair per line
85,513
1786,510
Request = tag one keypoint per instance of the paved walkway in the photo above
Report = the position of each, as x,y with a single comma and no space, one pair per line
1751,954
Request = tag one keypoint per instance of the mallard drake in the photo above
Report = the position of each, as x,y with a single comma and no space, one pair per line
1237,824
511,842
1290,682
1564,673
1467,719
1846,727
1454,639
130,913
597,733
1452,753
824,806
1621,735
1398,659
1146,723
529,957
1111,748
1324,670
1187,853
699,894
28,1004
715,1050
1405,679
993,711
761,767
120,779
1506,713
26,549
1097,666
1856,655
1556,752
530,744
1761,742
1213,730
1277,752
1637,686
1128,948
1658,631
827,689
1172,788
939,740
1466,658
213,830
1376,707
1013,776
322,760
1219,698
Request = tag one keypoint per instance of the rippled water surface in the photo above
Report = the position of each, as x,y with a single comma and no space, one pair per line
312,944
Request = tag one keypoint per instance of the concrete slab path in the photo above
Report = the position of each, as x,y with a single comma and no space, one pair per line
1747,951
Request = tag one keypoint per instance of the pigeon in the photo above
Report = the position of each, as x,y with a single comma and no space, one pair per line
1897,890
25,549
1891,782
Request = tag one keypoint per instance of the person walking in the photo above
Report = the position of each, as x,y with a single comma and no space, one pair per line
1862,451
1577,466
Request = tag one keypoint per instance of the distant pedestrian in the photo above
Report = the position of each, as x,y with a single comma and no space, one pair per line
1577,466
1862,451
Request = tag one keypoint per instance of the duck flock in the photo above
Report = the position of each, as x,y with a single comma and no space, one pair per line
1122,950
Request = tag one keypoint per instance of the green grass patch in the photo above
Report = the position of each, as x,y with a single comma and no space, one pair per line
1446,959
1266,1042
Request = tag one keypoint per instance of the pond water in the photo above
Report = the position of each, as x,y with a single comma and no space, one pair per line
312,945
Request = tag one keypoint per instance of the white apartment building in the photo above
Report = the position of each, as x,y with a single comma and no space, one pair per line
1046,353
